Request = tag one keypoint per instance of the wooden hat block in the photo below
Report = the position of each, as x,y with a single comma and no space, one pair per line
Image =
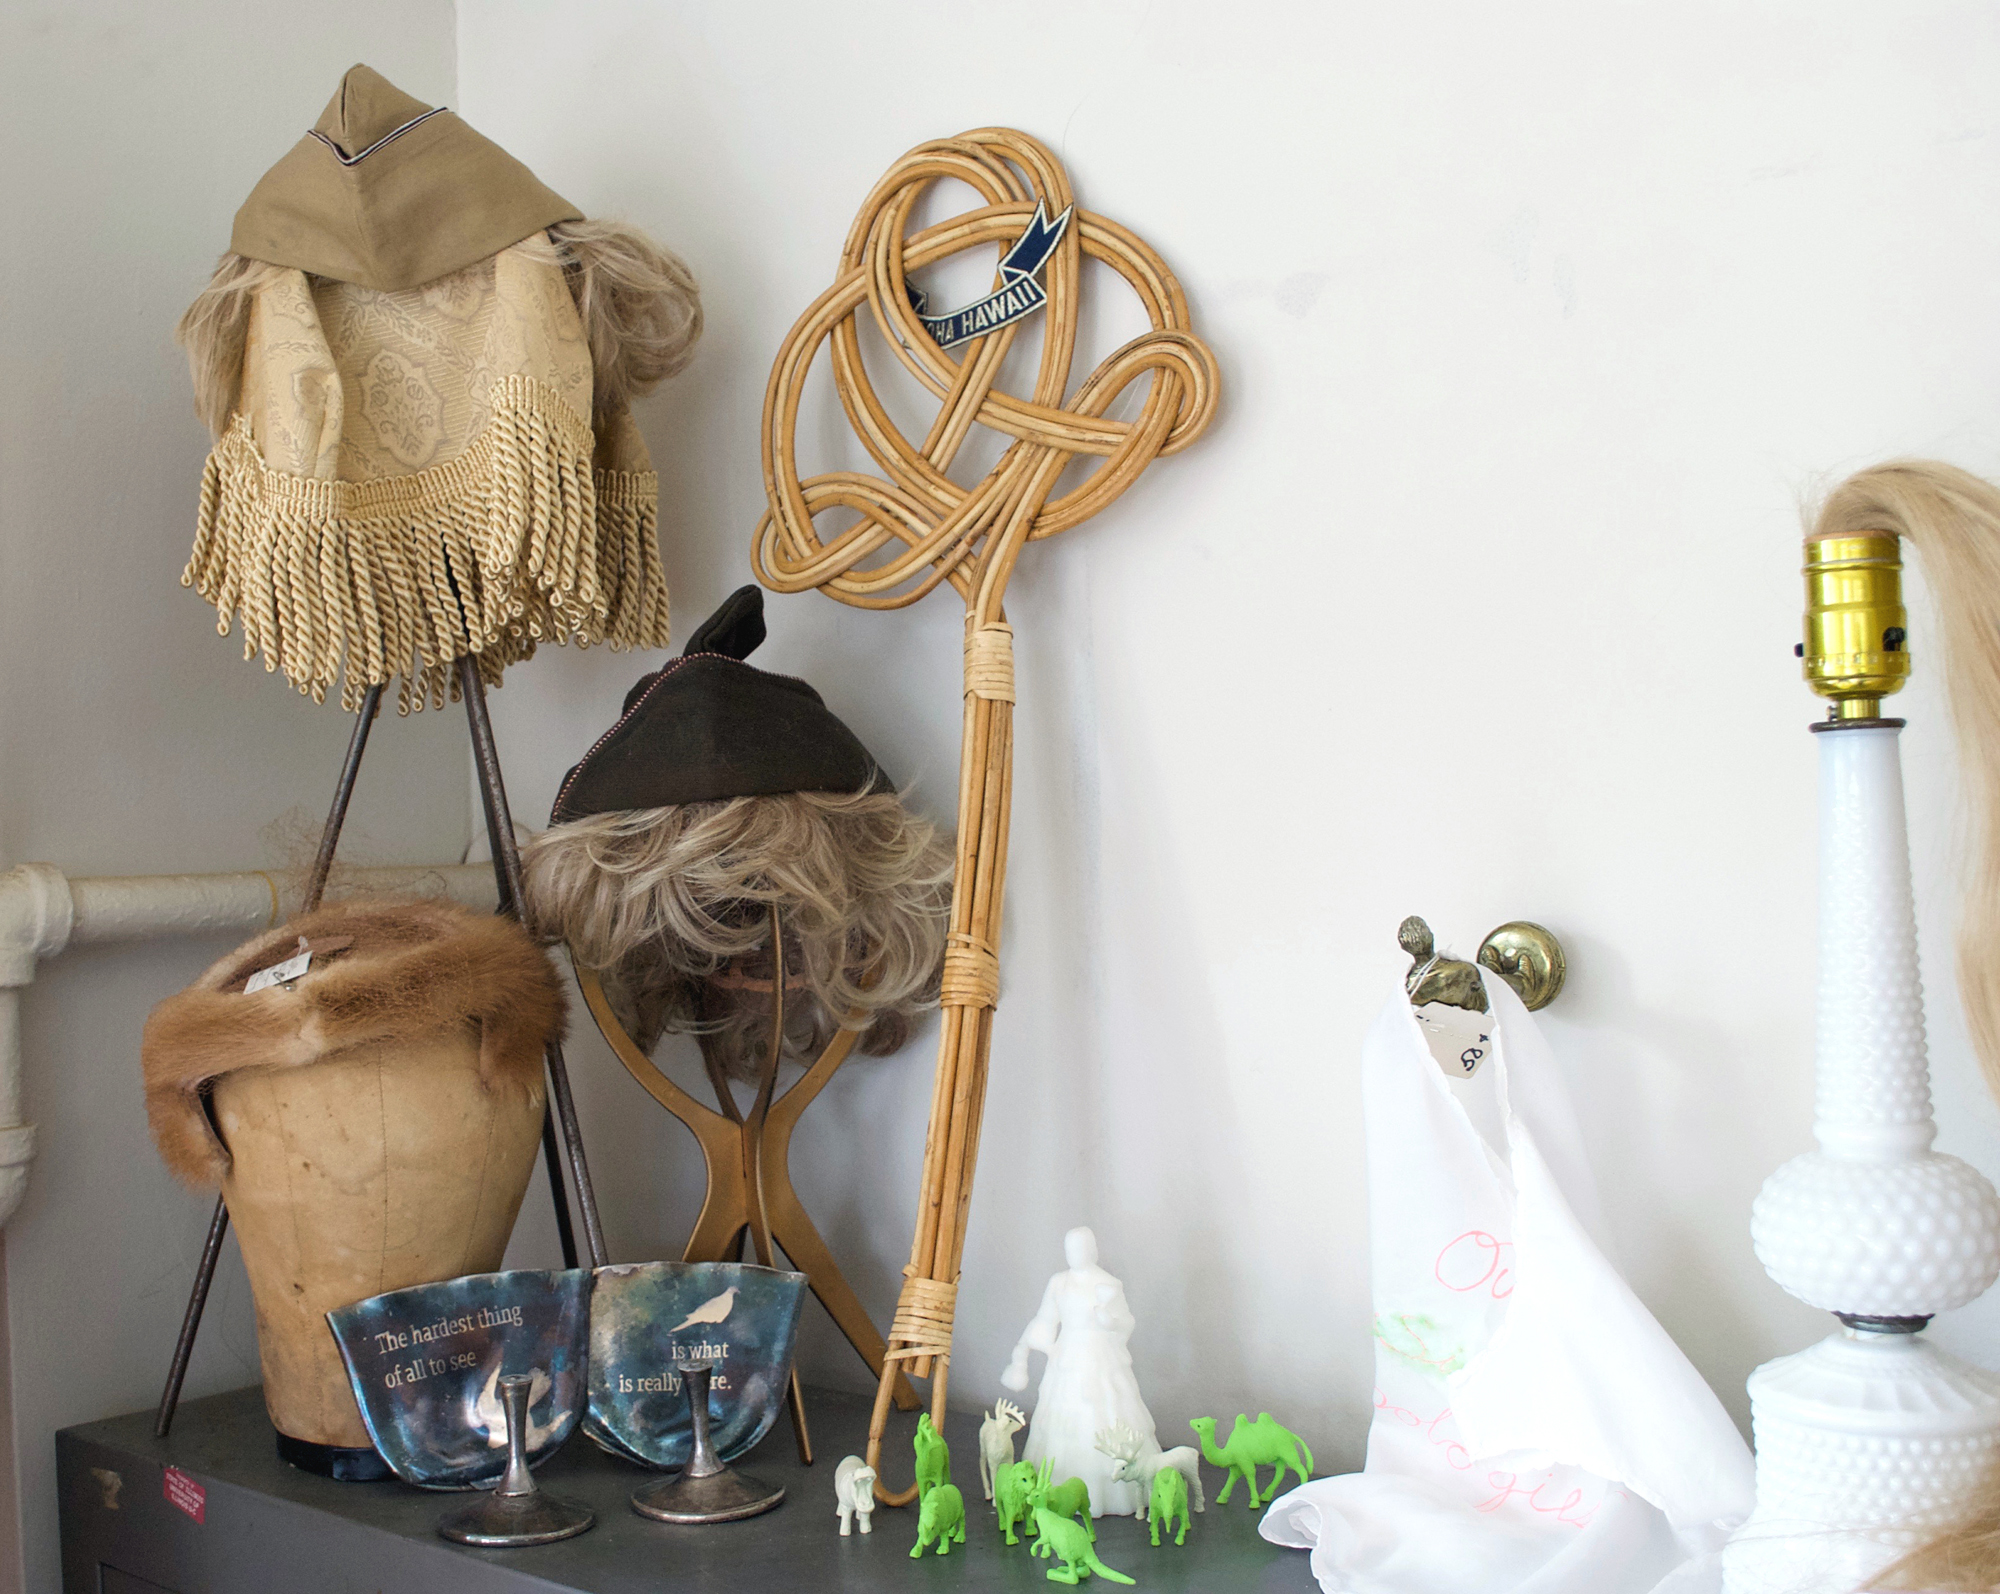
389,1166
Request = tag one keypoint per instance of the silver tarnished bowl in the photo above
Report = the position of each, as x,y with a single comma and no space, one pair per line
649,1319
425,1365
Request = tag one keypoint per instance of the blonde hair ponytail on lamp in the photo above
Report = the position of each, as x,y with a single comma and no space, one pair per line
1952,519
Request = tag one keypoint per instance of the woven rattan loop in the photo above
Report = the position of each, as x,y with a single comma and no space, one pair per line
946,531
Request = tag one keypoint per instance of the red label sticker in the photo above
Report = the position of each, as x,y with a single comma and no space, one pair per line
185,1494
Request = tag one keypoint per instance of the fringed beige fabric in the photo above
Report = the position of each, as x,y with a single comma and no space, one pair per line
514,542
628,555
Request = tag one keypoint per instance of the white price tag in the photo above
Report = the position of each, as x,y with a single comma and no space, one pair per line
1459,1040
279,973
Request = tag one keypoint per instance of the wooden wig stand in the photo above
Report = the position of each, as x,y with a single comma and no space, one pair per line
748,1156
969,537
563,1153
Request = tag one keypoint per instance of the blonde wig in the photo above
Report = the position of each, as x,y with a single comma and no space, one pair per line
1952,519
671,907
212,331
640,307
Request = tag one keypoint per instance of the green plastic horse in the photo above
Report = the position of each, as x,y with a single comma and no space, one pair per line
933,1457
1065,1540
1262,1443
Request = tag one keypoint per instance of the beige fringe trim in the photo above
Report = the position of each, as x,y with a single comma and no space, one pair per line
514,543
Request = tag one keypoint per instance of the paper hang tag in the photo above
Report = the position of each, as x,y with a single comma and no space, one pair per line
279,973
1459,1040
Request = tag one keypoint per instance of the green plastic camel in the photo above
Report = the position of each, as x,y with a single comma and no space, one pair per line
1068,1541
933,1457
1169,1502
1262,1443
940,1520
1014,1497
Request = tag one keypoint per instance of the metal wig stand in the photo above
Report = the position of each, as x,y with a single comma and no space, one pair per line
562,1142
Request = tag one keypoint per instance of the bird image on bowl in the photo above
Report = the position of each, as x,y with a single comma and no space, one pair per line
648,1320
710,1311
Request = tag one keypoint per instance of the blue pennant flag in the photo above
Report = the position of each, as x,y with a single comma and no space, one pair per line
1018,294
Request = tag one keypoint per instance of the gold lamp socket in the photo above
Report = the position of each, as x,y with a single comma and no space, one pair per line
1855,626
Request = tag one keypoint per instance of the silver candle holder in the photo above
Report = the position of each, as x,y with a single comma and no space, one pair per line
707,1489
516,1513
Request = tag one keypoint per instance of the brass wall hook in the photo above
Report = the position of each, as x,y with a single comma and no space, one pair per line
1526,955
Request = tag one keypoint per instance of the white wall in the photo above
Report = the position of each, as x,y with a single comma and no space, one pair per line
1478,601
132,739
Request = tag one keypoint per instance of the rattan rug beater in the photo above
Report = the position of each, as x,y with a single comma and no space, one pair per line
971,538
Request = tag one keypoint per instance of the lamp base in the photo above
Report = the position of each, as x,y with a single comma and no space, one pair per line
1866,1443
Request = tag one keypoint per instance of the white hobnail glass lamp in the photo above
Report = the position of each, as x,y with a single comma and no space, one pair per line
1874,1435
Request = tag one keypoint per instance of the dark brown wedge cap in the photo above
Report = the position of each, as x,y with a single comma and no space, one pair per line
710,726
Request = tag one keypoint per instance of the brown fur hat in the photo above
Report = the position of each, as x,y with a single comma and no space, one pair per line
391,968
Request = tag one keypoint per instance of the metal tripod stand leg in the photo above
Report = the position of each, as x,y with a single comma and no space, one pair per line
218,1226
564,1153
506,903
753,1143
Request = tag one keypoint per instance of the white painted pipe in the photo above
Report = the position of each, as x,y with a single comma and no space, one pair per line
144,907
43,912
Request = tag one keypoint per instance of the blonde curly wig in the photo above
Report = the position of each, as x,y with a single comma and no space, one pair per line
670,906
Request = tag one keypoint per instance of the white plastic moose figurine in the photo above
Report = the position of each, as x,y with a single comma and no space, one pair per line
854,1493
1124,1444
996,1441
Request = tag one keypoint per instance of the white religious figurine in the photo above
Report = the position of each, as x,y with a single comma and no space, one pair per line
1084,1328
